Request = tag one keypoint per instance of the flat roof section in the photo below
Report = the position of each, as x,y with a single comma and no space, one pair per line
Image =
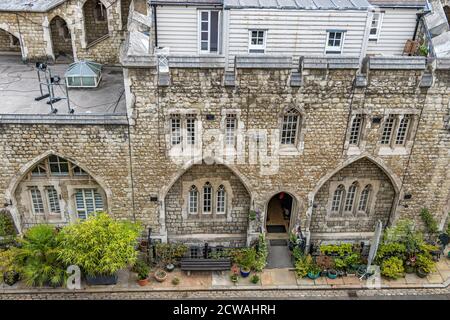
19,87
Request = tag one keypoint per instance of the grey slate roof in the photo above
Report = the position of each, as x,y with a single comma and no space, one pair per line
29,5
187,2
399,3
298,4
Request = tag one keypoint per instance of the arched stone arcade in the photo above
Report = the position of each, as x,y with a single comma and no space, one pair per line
52,189
348,201
207,203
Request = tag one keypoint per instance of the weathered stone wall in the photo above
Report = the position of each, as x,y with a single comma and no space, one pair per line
326,98
5,43
382,196
61,43
94,28
175,202
101,150
34,30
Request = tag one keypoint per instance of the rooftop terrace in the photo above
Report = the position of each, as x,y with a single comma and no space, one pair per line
19,87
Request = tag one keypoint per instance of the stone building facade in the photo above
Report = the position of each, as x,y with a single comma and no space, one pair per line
89,29
195,154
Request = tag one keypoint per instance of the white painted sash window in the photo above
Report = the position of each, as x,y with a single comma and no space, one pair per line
230,129
376,25
87,201
36,198
190,128
175,129
221,200
193,200
207,198
289,129
257,41
337,199
335,41
350,199
209,26
53,200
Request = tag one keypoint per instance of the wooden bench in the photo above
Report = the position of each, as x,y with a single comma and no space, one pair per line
189,265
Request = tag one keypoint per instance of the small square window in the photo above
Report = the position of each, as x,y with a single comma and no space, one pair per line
335,41
257,41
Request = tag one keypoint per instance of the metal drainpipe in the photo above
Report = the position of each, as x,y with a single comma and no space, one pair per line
155,22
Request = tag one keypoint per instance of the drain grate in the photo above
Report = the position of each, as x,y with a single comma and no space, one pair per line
276,229
278,242
352,294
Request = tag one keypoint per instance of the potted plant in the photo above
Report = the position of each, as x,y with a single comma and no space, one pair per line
254,279
314,271
425,265
410,265
100,246
392,268
292,240
39,256
160,275
332,274
142,270
234,278
9,269
176,281
247,260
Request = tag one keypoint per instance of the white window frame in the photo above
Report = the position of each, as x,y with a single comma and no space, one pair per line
290,113
257,48
191,198
334,202
191,129
223,200
350,198
391,120
176,136
93,192
58,162
231,126
210,198
39,200
333,49
219,33
51,200
378,27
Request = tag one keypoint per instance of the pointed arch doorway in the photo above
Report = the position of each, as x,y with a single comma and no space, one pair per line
280,214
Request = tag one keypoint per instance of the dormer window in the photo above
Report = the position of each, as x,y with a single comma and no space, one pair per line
375,26
335,41
257,41
209,31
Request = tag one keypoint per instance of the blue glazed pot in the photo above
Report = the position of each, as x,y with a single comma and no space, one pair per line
332,274
244,273
313,276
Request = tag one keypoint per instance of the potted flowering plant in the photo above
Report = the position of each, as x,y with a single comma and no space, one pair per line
234,277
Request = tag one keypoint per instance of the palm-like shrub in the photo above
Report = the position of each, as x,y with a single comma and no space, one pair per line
100,245
39,257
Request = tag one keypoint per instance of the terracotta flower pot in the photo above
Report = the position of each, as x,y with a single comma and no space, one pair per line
160,275
143,282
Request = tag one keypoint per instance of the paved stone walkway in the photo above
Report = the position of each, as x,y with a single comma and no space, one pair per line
273,283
